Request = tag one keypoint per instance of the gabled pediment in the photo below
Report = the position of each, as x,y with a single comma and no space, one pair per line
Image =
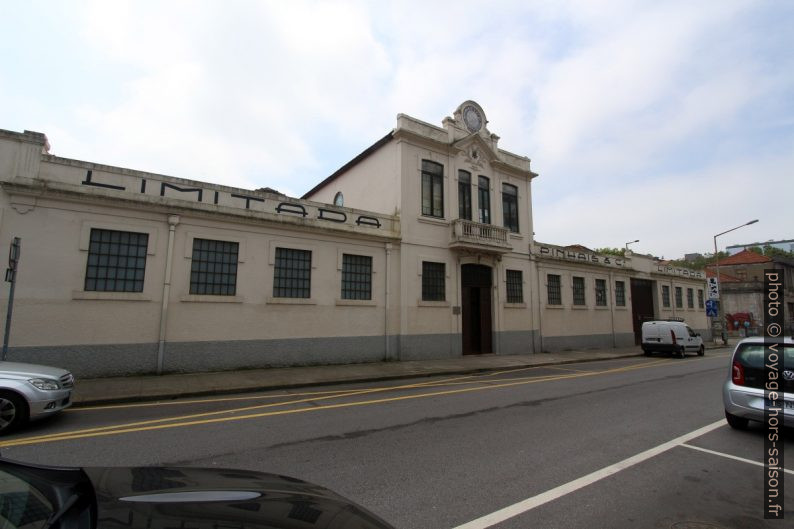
476,151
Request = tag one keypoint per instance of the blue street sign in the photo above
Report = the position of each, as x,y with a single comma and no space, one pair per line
711,308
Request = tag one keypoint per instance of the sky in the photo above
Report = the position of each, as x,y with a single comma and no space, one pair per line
667,122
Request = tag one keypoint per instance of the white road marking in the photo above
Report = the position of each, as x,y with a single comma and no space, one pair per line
729,456
523,506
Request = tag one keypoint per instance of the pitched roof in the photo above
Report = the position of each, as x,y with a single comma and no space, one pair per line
743,258
724,278
580,248
363,155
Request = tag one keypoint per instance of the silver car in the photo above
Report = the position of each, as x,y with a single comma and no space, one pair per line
30,392
743,391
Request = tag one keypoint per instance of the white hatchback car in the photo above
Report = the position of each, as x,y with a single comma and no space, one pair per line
743,391
30,392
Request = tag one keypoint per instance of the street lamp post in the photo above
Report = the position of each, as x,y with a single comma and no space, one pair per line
630,242
719,302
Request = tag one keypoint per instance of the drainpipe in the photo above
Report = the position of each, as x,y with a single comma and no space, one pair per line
610,292
531,303
386,302
173,220
540,306
672,297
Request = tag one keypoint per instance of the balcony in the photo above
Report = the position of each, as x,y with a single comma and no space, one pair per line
468,235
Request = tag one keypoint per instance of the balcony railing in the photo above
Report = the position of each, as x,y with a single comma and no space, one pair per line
468,234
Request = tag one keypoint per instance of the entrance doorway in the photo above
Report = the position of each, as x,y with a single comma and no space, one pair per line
476,282
641,305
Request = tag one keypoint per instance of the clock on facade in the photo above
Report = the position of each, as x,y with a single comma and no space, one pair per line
472,118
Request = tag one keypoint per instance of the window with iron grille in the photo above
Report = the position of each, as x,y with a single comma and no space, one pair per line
464,195
356,277
554,289
515,286
510,207
432,189
620,293
484,199
213,268
679,300
433,281
601,292
578,291
292,277
665,296
116,261
700,298
690,298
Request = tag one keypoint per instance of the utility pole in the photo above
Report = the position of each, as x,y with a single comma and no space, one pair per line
11,277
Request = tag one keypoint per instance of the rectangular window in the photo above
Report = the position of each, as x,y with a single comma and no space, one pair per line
213,268
292,277
116,261
515,286
601,292
554,289
432,189
620,293
464,195
690,298
510,207
665,296
356,277
578,291
700,298
484,199
433,281
679,301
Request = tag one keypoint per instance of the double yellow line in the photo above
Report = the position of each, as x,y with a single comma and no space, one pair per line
231,414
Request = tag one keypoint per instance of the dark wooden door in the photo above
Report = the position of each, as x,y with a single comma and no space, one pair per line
641,305
476,284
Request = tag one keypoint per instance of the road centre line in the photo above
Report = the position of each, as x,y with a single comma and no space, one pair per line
152,425
730,456
439,383
476,378
302,394
489,520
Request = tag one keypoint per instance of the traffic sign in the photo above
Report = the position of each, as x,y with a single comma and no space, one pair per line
711,308
714,288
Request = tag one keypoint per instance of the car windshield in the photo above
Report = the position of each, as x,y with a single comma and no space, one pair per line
21,505
752,355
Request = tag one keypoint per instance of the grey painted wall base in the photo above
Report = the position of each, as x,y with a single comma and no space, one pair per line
516,342
552,344
89,361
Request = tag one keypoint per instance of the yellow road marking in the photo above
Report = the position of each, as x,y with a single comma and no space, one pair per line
258,397
152,424
439,383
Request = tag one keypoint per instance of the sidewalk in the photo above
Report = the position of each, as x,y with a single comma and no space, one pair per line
151,387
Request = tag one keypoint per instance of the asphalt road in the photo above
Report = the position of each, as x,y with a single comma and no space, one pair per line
539,447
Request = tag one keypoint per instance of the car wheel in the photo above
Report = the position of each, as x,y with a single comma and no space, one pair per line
13,411
701,351
647,352
738,423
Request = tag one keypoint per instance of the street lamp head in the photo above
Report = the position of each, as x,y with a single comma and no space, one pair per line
751,222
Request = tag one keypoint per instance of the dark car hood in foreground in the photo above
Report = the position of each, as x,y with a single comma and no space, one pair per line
200,498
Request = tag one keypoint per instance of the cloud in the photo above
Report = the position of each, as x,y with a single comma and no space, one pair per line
619,104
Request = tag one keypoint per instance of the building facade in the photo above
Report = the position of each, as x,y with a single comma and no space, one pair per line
420,247
742,291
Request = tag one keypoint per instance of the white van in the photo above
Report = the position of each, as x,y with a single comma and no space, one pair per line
670,336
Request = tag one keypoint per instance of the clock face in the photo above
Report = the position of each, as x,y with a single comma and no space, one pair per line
472,119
